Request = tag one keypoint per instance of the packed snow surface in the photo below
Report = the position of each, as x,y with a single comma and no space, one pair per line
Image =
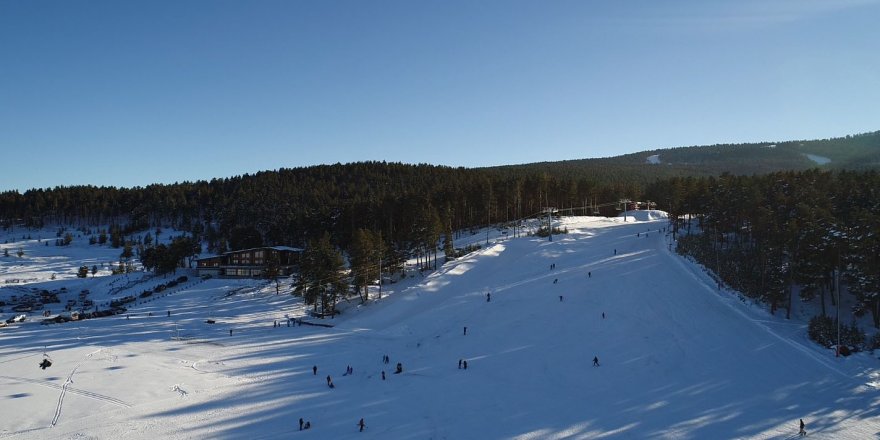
679,359
653,159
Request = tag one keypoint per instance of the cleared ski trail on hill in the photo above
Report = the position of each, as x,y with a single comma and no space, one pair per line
679,359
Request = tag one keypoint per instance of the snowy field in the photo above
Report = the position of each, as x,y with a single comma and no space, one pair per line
678,359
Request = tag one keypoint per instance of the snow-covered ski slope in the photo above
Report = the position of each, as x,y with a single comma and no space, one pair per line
679,359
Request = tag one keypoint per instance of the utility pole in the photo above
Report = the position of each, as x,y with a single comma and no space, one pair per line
837,287
380,276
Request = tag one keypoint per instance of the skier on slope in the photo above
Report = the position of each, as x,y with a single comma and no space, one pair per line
595,361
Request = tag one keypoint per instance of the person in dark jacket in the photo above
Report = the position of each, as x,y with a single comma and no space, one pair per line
595,361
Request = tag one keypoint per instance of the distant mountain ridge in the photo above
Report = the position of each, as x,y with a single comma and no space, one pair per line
852,152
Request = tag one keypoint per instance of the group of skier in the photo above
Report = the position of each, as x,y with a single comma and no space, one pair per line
349,370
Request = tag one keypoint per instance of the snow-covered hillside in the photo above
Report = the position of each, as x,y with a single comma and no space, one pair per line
678,359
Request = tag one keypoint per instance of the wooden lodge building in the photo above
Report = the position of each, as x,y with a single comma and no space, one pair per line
250,263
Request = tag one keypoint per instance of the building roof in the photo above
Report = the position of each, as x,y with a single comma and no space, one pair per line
277,248
285,248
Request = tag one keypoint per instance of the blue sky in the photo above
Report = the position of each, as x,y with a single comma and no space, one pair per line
125,93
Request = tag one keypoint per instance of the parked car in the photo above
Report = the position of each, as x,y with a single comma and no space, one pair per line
19,318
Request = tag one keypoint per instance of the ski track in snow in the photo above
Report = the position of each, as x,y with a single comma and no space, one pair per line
77,391
736,308
61,396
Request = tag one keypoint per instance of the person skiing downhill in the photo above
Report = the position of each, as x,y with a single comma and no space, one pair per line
595,361
361,425
802,431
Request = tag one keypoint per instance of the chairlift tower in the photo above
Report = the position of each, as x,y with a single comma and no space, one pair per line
624,203
550,212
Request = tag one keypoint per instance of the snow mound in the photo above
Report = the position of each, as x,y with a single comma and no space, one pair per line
645,215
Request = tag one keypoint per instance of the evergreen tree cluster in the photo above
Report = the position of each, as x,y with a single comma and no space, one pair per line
164,258
823,330
409,206
769,235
